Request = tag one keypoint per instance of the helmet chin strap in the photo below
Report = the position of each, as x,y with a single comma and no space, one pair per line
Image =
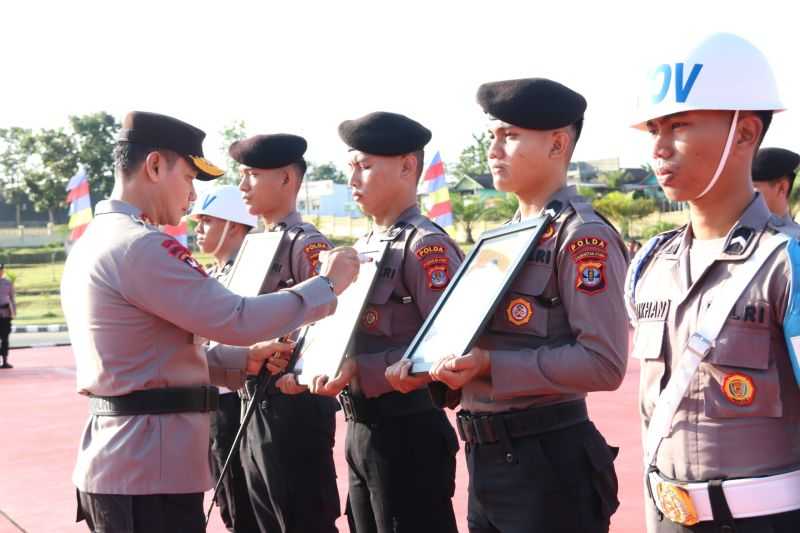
724,159
222,238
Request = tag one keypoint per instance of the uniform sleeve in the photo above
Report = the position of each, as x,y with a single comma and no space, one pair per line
161,277
591,268
305,256
226,365
429,266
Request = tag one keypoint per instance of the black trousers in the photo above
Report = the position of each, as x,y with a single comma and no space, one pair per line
152,513
287,456
402,474
777,523
558,482
233,499
5,331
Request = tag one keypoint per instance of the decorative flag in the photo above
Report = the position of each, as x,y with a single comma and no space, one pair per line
437,196
180,232
80,206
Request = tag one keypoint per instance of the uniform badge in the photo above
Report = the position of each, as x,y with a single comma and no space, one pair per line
591,277
436,269
548,233
519,311
676,504
181,253
312,254
739,389
739,240
370,318
425,251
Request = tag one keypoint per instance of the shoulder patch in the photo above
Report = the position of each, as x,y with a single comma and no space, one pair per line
312,251
181,253
589,255
427,250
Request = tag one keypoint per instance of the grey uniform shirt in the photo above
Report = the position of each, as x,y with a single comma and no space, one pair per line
134,299
560,330
741,414
8,302
418,266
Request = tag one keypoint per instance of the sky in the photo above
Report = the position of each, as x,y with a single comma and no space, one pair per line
304,66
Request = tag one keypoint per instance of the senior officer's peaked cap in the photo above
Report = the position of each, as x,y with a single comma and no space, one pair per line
162,131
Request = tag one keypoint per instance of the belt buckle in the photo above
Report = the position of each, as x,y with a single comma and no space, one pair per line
676,503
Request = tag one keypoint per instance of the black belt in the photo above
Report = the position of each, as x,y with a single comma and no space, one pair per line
157,402
357,408
486,429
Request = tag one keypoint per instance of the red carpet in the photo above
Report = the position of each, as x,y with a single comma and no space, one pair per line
41,418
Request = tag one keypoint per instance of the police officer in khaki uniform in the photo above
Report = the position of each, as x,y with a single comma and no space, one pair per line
400,448
536,461
223,222
287,453
133,299
8,310
715,305
773,176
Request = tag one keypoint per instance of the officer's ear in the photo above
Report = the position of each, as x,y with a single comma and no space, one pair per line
560,144
409,165
154,163
748,131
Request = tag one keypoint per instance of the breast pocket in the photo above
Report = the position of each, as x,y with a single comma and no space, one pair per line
525,308
648,340
376,319
741,379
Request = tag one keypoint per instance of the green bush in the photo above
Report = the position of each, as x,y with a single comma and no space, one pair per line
658,227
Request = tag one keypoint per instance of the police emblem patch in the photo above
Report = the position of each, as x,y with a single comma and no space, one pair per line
370,318
519,311
181,253
739,389
312,254
437,278
591,277
548,233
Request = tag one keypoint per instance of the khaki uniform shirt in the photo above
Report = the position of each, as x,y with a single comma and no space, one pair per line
559,331
135,301
419,264
741,414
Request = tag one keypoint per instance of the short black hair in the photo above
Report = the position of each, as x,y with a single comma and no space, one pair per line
420,156
301,166
129,156
766,120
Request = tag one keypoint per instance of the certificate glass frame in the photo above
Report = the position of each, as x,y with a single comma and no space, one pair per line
254,263
323,345
469,301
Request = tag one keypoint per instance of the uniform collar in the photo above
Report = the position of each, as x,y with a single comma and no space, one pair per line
289,221
117,206
741,240
557,203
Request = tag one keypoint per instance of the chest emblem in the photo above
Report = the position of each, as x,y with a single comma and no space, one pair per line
519,311
739,389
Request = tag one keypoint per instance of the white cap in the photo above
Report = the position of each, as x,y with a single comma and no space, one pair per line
724,72
226,203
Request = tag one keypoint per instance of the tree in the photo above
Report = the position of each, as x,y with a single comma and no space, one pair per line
474,159
94,136
326,171
614,179
467,210
501,208
53,164
15,146
624,208
235,131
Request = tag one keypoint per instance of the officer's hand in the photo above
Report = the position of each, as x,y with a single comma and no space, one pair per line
340,265
288,384
275,353
324,386
455,371
399,378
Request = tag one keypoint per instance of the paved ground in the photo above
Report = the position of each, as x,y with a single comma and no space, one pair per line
41,419
26,340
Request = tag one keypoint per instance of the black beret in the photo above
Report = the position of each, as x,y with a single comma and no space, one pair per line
774,163
161,131
532,103
269,151
382,133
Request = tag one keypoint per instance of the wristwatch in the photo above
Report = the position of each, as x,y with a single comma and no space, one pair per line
329,281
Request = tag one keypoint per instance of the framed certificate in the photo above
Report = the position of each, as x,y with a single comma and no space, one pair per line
458,318
254,262
323,345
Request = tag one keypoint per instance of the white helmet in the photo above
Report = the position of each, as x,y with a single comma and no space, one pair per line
224,202
724,72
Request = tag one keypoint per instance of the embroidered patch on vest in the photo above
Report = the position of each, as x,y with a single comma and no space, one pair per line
519,311
370,318
739,389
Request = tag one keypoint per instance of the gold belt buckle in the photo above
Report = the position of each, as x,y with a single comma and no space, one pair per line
676,504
